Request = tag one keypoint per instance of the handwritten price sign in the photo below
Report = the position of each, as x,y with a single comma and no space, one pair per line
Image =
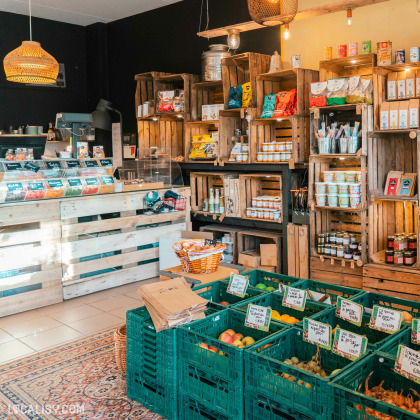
349,345
317,333
258,317
237,285
386,320
407,363
349,311
294,298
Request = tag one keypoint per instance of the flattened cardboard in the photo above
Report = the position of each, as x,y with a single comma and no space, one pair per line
393,182
269,268
268,254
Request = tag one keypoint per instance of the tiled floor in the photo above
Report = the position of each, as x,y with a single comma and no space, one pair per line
42,328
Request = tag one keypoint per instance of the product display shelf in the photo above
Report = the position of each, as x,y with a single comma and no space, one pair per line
243,68
205,93
257,185
199,128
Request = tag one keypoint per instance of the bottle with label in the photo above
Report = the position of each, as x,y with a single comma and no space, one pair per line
217,202
51,132
211,201
222,201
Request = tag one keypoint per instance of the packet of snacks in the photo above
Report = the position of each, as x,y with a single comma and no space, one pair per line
337,91
179,101
203,147
286,103
98,152
246,94
166,100
318,94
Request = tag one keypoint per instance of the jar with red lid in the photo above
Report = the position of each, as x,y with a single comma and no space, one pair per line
412,242
390,241
389,257
409,258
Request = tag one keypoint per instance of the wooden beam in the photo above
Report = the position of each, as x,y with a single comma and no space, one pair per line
302,14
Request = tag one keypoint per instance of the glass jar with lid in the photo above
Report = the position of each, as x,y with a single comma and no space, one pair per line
346,239
357,256
340,251
400,243
409,257
332,238
398,257
321,249
390,241
339,239
333,250
389,256
348,255
321,239
352,238
327,249
412,242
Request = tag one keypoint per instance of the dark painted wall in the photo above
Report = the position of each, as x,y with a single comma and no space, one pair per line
20,104
165,40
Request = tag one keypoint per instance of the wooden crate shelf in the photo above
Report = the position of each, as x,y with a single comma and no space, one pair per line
205,93
243,68
284,80
298,251
197,128
358,65
254,185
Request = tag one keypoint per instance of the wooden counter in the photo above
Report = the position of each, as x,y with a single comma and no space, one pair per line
59,249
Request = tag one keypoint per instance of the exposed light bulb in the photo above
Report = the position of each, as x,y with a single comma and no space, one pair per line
353,61
286,33
349,15
234,39
349,21
407,69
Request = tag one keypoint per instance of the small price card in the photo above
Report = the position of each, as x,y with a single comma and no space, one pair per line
349,345
31,167
13,166
36,186
75,182
91,164
258,317
107,180
317,333
54,164
349,311
73,164
415,331
294,298
14,186
237,285
55,183
407,363
92,181
384,319
106,162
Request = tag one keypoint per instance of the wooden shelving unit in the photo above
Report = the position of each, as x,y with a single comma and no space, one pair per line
197,128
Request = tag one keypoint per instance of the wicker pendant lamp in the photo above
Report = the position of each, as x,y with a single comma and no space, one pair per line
29,63
272,12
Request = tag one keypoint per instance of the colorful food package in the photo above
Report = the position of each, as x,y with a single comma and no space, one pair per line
246,94
268,107
393,115
235,97
410,84
171,101
82,150
385,116
413,110
403,115
318,94
401,91
367,91
360,90
203,147
337,91
179,101
98,152
286,103
384,53
392,86
16,191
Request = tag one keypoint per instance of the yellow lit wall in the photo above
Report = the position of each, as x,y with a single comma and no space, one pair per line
395,20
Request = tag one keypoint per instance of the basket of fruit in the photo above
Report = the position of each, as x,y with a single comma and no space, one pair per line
198,256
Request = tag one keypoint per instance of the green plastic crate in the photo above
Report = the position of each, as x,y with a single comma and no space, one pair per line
369,299
348,404
263,370
216,292
274,301
269,279
191,409
258,406
390,348
333,290
376,339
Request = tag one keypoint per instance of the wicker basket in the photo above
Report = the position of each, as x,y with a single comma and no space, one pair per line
198,261
120,340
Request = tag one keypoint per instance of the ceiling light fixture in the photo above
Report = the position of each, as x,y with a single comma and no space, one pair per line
29,63
234,39
272,12
349,15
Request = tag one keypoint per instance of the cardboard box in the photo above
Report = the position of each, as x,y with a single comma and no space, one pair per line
403,115
392,183
407,185
211,112
393,115
392,86
401,91
384,123
250,258
413,113
269,268
268,254
410,84
418,83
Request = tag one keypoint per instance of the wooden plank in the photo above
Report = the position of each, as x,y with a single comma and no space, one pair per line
326,266
291,256
28,279
303,252
23,236
393,293
20,213
112,279
340,279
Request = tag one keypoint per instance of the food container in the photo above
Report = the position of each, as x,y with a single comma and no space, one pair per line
265,202
267,214
384,53
348,255
283,156
357,255
324,146
321,199
270,157
259,156
333,250
346,239
342,50
339,176
355,188
354,201
107,185
332,188
342,145
359,176
352,144
327,53
249,212
55,188
35,191
266,147
340,251
277,157
400,56
282,147
276,215
259,202
351,176
91,187
245,148
254,212
328,176
409,258
289,146
288,155
260,213
367,47
14,191
333,200
414,54
254,201
74,187
327,249
321,239
339,239
271,202
320,187
400,243
353,48
343,200
238,157
265,157
271,147
398,257
343,188
389,257
277,203
52,173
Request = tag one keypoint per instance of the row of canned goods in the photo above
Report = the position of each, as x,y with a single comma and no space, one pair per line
273,156
260,213
266,202
55,188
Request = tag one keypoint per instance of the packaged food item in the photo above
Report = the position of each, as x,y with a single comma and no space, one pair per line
327,53
337,91
401,91
392,86
342,50
166,100
384,123
211,112
91,187
55,188
410,84
74,187
414,54
235,97
393,115
246,94
384,53
399,56
20,154
403,115
268,107
418,83
413,110
29,154
367,91
98,152
360,90
107,185
286,103
353,48
367,47
10,154
203,147
82,150
35,191
179,101
318,94
15,192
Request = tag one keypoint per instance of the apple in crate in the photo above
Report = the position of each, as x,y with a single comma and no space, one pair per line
224,303
230,331
226,338
237,336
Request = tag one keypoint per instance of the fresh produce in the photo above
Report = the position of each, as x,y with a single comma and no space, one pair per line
270,289
224,303
390,397
232,338
261,286
194,247
283,318
226,337
406,317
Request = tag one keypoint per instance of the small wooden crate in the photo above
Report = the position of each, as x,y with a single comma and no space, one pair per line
293,129
252,239
30,256
243,68
284,80
298,251
254,185
197,128
205,93
358,65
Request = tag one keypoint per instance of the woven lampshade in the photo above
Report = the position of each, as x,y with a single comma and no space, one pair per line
29,63
272,12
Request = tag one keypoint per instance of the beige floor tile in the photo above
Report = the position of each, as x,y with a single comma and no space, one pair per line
4,337
51,338
134,295
76,314
120,313
13,350
20,318
116,302
59,307
94,297
32,327
96,323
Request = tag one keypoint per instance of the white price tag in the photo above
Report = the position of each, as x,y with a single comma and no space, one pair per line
349,311
384,319
317,333
238,285
407,363
295,298
258,317
348,344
